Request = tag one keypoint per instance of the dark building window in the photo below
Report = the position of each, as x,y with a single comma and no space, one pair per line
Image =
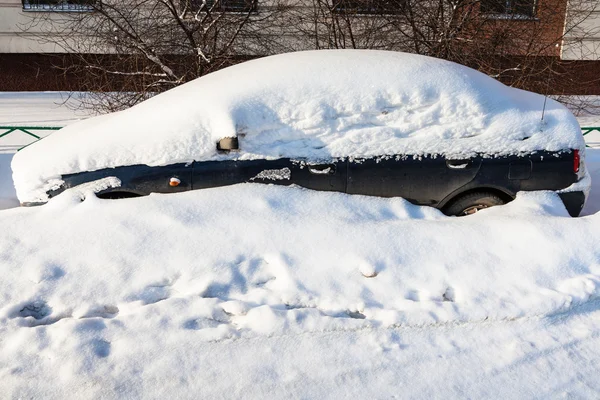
509,7
223,5
58,5
369,6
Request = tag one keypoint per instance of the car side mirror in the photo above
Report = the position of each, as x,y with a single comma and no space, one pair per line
228,144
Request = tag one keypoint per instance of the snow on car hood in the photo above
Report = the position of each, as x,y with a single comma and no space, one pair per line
314,104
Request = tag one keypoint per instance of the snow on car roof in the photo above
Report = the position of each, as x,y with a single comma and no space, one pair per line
314,105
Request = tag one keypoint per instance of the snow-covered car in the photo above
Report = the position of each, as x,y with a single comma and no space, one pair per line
355,121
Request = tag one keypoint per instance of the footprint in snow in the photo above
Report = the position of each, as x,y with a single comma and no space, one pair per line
200,323
37,313
356,314
37,309
101,348
101,311
151,294
412,295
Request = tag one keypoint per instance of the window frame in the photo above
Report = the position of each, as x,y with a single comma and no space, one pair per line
250,7
510,9
353,7
59,6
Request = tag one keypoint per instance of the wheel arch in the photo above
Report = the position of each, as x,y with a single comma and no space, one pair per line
503,193
118,193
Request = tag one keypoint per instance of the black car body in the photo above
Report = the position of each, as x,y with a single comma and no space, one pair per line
359,122
424,180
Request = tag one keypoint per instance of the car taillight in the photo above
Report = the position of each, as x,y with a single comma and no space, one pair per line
576,160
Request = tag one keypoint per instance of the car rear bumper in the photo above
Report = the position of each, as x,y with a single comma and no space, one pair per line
573,202
574,196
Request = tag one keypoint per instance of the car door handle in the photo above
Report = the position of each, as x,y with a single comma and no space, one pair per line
458,164
322,169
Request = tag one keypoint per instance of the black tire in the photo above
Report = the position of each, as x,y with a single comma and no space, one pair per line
472,202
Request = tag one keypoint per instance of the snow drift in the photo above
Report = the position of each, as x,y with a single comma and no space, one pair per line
300,260
259,291
315,105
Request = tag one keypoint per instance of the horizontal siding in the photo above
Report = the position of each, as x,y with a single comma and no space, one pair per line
12,37
582,36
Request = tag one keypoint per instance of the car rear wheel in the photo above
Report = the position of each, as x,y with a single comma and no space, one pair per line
472,202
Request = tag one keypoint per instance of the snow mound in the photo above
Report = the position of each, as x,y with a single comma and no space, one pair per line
259,289
300,261
315,105
8,197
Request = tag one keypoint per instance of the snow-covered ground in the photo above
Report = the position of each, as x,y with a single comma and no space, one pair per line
8,196
256,291
587,110
40,109
36,109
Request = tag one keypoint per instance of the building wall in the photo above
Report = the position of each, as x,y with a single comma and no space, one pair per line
582,42
553,12
19,35
13,38
27,56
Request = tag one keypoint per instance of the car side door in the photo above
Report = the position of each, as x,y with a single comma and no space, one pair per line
424,180
330,176
325,176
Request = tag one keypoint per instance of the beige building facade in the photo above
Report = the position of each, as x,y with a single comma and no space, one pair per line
582,33
27,49
18,34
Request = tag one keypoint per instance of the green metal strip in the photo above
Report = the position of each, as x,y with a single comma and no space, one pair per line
37,128
26,129
7,132
588,129
29,133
